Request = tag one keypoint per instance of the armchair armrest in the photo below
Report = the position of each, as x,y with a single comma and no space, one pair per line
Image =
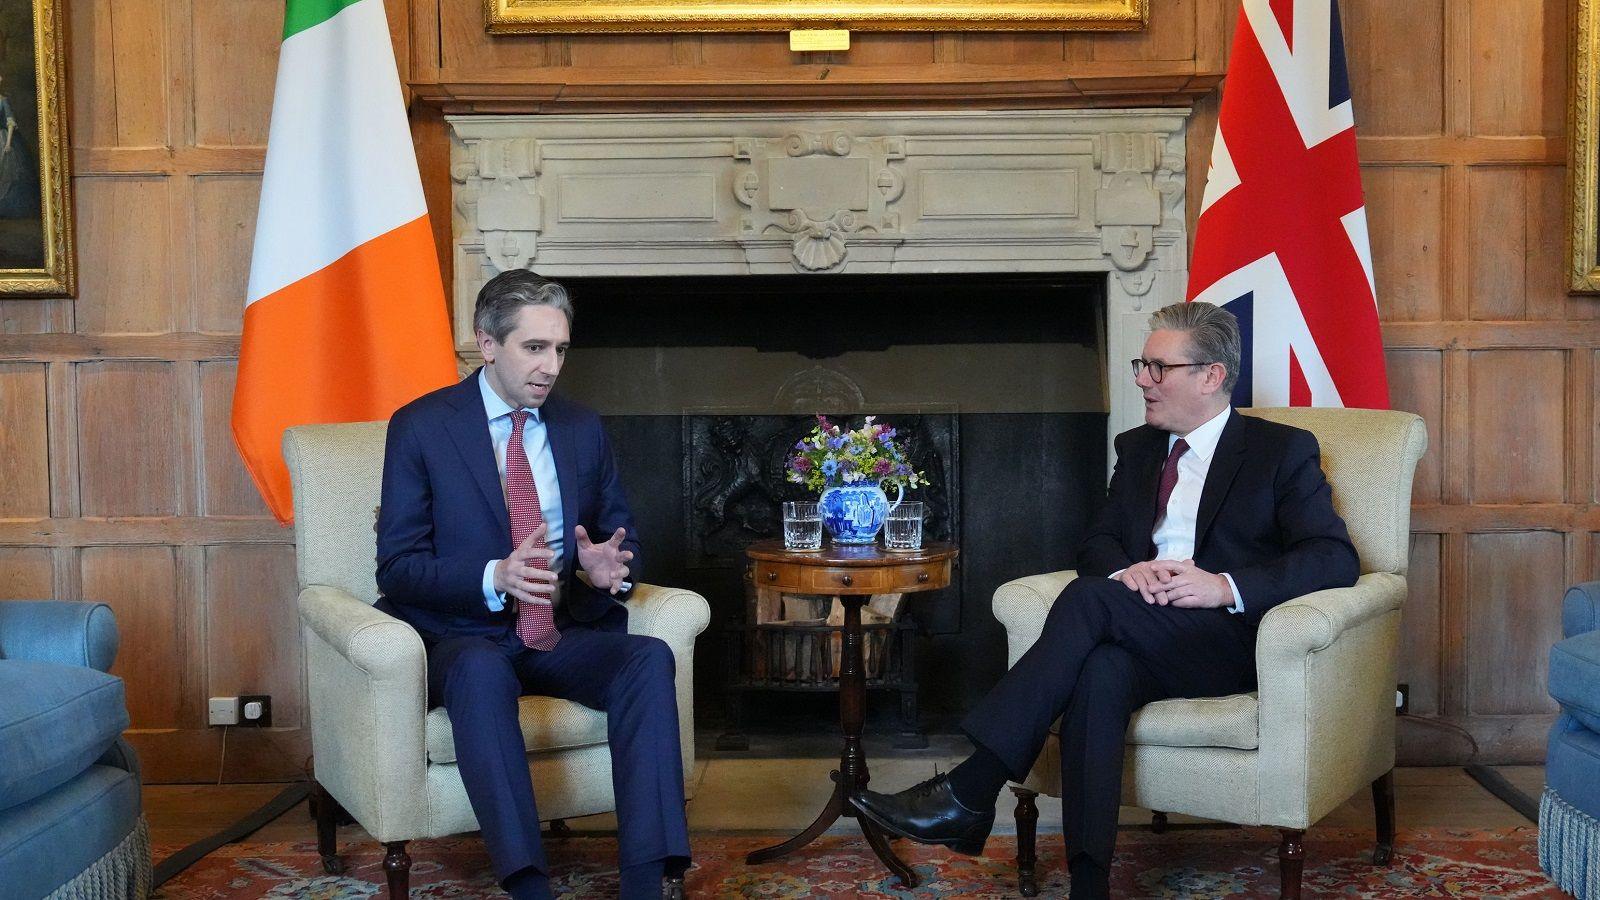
367,679
1326,671
1580,609
675,615
59,631
1021,607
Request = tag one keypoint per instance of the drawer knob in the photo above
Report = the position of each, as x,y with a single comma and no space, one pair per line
772,576
922,578
848,580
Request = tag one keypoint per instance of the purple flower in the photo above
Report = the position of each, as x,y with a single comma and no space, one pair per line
882,467
838,442
902,469
800,464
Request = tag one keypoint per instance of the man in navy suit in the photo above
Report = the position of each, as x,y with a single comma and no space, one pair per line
1211,519
491,488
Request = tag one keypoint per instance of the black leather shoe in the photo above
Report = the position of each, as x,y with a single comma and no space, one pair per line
672,888
928,813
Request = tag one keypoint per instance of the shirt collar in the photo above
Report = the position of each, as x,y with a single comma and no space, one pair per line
493,406
1203,440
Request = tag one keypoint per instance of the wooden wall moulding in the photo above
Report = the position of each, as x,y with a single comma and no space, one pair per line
1584,148
524,16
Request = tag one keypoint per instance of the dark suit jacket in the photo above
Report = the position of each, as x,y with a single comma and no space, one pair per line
444,514
1266,513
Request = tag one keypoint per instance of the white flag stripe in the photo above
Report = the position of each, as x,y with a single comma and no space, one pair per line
1303,74
1277,327
340,167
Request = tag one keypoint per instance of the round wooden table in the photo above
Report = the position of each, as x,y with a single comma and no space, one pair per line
853,574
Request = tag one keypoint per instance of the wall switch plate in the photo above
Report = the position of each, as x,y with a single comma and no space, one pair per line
255,710
222,711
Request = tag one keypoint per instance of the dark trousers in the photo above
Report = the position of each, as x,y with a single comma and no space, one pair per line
1104,653
627,676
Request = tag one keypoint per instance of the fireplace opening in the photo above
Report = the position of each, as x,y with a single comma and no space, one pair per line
997,380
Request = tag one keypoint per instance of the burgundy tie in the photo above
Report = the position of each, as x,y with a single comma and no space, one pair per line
536,622
1169,480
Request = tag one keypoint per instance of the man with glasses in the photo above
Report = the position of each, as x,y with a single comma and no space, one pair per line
1211,519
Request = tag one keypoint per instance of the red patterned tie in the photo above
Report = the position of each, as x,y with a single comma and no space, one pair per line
1169,480
536,622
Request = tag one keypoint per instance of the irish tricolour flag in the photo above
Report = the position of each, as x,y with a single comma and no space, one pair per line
345,317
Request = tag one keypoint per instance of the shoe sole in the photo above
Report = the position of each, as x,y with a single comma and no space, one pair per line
959,845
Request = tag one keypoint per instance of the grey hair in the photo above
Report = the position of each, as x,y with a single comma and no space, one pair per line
1213,334
502,296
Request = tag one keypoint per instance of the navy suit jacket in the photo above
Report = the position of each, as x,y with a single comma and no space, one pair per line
1266,513
443,514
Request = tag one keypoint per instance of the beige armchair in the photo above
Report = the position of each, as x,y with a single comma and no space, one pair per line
379,752
1320,725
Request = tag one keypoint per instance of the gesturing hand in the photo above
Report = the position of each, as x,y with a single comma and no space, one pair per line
605,564
518,575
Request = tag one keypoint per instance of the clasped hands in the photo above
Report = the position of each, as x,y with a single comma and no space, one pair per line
522,576
1169,582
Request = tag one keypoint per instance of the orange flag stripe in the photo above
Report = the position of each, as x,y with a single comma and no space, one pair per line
352,342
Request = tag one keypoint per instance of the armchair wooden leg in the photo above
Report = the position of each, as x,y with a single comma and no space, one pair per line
1158,822
1383,808
397,865
327,813
1291,858
1027,830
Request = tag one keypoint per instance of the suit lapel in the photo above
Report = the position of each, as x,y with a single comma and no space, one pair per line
566,456
1224,465
469,430
1147,477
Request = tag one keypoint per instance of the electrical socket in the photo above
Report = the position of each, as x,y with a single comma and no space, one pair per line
255,710
222,711
1402,699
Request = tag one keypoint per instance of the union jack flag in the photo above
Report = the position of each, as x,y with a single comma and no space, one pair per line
1281,241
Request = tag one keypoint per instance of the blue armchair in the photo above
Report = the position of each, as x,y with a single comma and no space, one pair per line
71,824
1569,813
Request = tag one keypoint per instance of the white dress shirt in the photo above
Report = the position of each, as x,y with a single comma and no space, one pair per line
1175,529
536,443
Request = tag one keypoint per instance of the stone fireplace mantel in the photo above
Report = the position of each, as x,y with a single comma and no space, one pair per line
823,194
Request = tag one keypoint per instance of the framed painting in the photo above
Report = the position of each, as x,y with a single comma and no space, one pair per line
539,16
36,251
1583,168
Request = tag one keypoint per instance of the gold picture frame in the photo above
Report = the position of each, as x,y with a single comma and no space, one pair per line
546,16
1583,147
36,245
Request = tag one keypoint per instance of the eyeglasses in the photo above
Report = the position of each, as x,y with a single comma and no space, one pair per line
1158,370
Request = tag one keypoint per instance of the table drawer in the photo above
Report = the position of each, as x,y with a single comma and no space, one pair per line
888,579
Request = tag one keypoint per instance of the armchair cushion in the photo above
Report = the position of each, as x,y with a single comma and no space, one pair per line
55,721
1575,678
547,724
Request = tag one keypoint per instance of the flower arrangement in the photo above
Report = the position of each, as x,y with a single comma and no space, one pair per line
831,456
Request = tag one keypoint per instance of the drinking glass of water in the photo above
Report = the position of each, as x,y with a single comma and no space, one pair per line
802,525
903,529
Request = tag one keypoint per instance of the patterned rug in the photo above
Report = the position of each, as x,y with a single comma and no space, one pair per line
1190,863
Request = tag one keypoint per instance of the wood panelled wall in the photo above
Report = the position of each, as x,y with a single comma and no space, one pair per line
120,482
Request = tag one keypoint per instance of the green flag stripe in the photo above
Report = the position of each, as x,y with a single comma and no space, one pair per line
303,14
